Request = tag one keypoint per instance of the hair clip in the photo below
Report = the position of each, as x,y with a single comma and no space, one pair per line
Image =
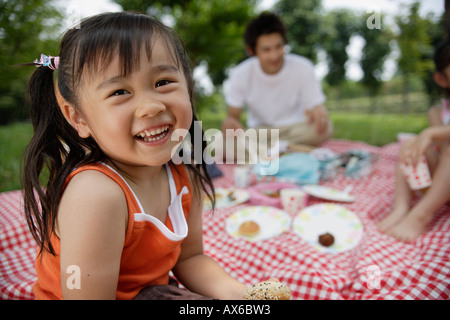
46,61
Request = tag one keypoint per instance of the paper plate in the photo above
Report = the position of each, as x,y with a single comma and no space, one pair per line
228,197
328,193
318,219
272,222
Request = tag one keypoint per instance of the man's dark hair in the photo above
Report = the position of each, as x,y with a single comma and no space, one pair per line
265,23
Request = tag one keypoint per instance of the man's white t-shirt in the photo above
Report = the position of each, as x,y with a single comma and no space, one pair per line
274,100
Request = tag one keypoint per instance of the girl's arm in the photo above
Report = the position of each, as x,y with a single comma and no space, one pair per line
198,272
439,133
416,147
91,224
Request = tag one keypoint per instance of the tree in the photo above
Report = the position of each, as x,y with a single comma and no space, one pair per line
414,44
303,23
213,32
374,53
435,29
340,26
25,30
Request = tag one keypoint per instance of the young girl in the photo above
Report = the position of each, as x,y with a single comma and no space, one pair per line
116,214
405,223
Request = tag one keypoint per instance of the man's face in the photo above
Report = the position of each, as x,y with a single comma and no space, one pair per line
270,51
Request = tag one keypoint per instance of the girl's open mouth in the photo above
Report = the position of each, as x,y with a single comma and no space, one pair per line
153,135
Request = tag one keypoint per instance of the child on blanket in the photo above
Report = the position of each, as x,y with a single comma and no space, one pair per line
117,214
405,223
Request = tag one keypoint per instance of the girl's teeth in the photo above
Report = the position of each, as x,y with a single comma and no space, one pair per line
154,135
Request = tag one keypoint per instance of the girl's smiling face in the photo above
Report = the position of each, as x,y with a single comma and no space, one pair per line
132,117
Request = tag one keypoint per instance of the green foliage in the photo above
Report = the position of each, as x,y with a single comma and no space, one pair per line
414,42
303,23
341,26
435,30
213,32
25,27
374,54
13,140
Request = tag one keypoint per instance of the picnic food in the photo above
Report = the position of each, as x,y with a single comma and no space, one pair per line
229,196
249,228
267,290
271,193
326,239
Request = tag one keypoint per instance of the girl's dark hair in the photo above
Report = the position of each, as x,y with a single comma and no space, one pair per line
56,148
442,59
265,23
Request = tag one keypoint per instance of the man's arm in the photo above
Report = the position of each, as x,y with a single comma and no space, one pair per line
233,119
319,117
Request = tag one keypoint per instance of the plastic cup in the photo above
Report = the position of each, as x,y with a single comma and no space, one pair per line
241,176
417,177
293,200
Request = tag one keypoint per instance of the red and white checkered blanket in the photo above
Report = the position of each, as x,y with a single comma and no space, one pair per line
417,270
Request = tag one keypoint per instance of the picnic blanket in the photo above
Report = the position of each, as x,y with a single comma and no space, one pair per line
378,267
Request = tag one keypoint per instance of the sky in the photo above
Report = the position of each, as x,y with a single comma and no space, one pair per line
387,9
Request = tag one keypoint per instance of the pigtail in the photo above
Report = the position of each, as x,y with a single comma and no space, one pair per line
53,151
42,151
42,158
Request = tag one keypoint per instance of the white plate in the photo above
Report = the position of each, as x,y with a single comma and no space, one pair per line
272,222
228,197
318,219
328,193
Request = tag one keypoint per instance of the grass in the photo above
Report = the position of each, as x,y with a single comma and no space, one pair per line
374,129
13,140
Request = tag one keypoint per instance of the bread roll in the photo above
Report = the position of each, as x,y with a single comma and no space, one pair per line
268,290
249,228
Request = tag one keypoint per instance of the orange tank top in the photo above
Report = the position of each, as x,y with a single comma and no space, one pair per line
151,248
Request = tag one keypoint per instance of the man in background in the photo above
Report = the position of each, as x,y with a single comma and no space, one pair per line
279,90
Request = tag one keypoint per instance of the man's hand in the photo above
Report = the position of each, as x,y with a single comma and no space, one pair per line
319,117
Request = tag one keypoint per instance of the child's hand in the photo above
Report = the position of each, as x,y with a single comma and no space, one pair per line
414,148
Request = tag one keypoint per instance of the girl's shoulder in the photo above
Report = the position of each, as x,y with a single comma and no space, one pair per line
93,182
100,179
93,194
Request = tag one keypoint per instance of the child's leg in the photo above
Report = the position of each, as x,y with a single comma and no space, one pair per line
415,223
402,201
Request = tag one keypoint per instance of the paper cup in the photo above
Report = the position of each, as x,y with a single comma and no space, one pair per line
241,176
293,200
417,177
